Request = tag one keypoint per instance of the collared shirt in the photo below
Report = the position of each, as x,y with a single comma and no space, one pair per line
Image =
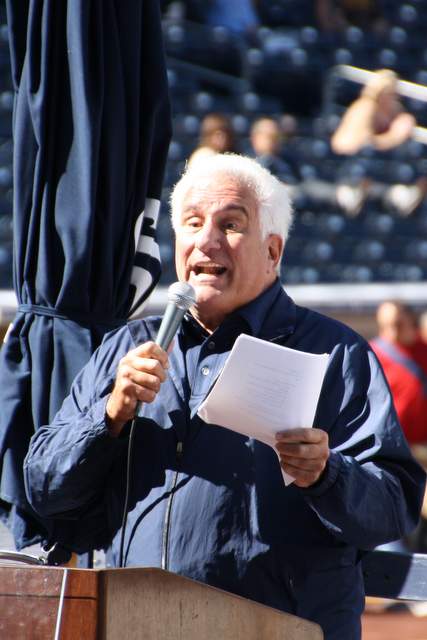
203,351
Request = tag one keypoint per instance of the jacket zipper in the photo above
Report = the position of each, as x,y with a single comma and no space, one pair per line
167,521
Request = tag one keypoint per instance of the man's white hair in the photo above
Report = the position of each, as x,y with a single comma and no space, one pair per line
272,196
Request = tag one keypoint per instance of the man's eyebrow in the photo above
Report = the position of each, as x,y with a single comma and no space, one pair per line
235,207
229,207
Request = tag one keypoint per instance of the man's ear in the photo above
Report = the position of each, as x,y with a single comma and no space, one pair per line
275,248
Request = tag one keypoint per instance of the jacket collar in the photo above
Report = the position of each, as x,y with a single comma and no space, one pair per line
280,320
271,316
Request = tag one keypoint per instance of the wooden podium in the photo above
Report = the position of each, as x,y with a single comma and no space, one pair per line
49,603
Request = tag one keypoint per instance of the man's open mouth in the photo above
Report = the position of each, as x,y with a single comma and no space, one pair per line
213,270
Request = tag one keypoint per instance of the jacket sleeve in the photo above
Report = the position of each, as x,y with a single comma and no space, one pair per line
372,490
69,461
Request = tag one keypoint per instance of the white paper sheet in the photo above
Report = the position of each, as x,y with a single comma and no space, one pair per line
265,388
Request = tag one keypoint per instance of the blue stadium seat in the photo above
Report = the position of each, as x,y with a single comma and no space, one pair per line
421,76
252,103
177,151
309,36
416,250
6,101
368,251
4,34
330,225
240,124
354,273
407,14
387,58
186,125
6,177
355,37
6,151
305,225
397,37
378,224
308,171
6,228
401,172
299,275
399,272
175,37
342,56
317,251
6,260
203,102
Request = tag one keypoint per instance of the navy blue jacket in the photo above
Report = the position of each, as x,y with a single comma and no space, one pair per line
211,504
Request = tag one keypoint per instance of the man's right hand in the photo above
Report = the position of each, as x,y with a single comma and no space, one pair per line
139,376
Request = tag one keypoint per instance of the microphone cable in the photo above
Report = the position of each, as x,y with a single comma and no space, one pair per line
181,297
129,459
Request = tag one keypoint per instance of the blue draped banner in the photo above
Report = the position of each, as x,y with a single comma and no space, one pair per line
91,129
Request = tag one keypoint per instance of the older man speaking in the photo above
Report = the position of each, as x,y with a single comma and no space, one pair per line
204,501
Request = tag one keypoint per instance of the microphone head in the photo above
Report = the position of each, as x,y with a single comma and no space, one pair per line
182,294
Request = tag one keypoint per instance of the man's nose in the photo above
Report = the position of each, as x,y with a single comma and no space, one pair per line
208,237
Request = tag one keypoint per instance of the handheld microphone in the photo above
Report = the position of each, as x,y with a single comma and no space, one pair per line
181,296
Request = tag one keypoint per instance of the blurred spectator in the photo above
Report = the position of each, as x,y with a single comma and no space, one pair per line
403,356
216,136
238,16
267,142
376,120
423,326
336,15
289,126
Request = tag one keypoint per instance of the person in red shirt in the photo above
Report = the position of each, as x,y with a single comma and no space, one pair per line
403,356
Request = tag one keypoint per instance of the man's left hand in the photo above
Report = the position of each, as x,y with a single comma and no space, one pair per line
303,453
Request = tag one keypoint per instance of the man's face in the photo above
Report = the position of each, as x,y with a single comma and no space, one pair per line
265,138
396,325
219,248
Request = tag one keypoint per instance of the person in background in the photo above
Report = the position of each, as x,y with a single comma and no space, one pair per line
337,15
216,136
267,141
239,16
403,356
288,126
423,326
378,120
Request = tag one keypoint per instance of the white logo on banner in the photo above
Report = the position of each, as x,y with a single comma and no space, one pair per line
142,278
